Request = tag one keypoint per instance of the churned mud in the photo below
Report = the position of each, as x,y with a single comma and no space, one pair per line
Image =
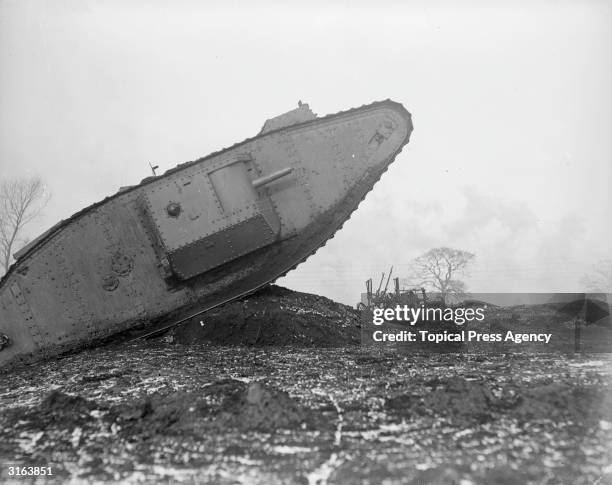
205,412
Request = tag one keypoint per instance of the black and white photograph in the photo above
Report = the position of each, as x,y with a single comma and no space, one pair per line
309,243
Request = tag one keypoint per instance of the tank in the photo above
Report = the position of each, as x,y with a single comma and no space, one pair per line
202,234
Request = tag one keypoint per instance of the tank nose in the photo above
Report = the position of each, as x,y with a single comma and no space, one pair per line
390,132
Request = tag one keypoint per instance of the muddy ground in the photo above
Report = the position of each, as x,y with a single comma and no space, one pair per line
258,412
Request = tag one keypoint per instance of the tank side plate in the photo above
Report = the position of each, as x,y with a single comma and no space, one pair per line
221,247
27,313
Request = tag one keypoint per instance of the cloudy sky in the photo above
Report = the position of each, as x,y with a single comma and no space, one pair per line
511,157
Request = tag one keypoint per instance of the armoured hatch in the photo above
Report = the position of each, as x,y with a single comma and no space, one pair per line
211,216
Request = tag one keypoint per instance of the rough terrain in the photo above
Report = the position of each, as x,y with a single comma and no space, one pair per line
254,412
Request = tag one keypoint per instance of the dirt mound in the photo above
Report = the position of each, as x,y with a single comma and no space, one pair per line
462,398
275,316
472,401
262,408
457,398
63,405
225,404
561,401
159,414
57,410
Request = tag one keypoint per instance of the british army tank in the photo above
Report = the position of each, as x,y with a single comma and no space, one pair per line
201,234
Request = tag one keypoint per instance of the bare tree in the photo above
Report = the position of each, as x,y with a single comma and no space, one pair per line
600,278
21,201
438,268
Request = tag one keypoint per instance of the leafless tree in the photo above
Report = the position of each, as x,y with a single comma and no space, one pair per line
438,268
21,201
600,278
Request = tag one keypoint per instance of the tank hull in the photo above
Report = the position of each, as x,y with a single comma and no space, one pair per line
200,235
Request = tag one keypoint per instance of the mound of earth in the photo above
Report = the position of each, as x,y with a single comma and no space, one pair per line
57,408
458,398
60,405
561,401
275,316
262,408
224,405
469,401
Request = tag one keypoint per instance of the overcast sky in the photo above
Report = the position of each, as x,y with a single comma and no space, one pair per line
511,156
